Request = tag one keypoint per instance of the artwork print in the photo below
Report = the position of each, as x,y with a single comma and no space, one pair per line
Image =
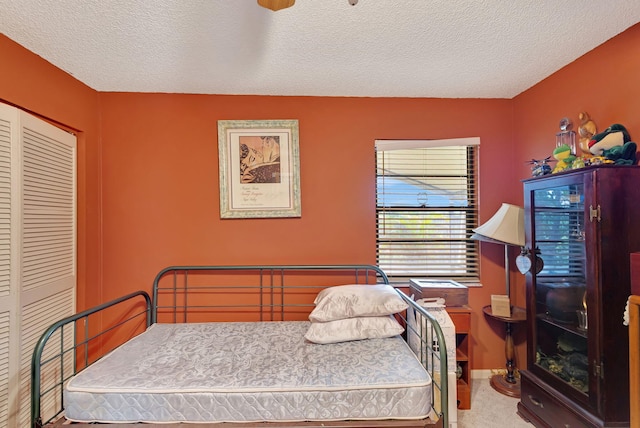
260,159
259,168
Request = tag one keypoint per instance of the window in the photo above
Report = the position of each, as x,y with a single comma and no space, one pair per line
426,207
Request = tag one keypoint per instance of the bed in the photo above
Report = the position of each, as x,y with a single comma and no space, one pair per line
247,346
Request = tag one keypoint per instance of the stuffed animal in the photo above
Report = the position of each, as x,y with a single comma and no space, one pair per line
614,144
622,155
579,162
564,157
615,135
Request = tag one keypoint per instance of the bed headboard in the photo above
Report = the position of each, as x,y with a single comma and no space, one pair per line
249,293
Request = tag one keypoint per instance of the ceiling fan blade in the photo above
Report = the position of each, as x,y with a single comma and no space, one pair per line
276,5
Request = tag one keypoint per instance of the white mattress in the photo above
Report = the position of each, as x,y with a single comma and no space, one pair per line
248,372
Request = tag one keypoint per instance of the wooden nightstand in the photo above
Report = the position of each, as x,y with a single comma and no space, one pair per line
461,317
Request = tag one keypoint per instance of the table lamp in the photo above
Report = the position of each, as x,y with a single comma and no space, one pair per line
506,227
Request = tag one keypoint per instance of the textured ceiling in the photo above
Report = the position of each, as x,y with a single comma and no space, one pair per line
378,48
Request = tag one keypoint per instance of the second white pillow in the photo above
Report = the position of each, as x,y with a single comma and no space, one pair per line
353,329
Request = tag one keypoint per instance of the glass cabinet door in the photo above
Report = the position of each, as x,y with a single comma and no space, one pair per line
561,329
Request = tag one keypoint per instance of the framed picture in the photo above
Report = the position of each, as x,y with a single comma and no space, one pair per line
259,168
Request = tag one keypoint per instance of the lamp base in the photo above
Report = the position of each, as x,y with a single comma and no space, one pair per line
500,384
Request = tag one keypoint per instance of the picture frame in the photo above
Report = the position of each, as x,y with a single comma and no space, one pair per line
259,168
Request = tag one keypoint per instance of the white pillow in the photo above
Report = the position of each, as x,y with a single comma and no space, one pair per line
357,300
353,329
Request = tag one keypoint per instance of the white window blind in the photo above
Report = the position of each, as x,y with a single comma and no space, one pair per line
426,205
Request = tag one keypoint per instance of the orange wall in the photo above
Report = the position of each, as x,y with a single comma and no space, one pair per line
605,83
161,187
148,168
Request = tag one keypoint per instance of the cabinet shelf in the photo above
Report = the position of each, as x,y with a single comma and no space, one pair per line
461,356
571,328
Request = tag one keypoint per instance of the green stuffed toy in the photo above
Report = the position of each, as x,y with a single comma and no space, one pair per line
564,157
622,155
614,144
613,136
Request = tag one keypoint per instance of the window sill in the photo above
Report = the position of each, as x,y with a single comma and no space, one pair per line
404,283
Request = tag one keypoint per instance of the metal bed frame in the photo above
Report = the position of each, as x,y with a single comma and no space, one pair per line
222,293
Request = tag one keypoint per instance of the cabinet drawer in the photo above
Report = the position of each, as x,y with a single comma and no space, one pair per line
548,408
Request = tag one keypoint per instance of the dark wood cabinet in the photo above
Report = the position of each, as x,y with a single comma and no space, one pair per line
581,227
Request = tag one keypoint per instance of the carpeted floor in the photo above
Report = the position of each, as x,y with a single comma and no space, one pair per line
490,409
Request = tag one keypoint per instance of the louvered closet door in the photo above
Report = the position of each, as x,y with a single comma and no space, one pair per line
48,239
41,264
9,333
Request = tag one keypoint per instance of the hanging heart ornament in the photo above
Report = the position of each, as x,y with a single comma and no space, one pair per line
523,262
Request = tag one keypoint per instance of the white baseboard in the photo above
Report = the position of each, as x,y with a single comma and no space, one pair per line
487,373
481,374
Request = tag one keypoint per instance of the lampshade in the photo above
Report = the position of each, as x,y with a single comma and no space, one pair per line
276,5
505,227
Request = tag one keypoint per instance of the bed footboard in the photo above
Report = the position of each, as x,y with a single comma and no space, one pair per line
425,336
65,348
